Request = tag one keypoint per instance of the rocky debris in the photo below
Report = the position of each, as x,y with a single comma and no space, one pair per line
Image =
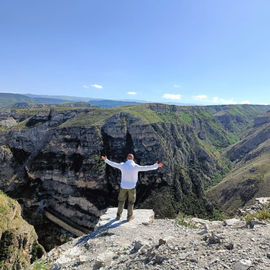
213,238
242,265
262,200
260,204
251,223
9,122
165,245
234,222
229,246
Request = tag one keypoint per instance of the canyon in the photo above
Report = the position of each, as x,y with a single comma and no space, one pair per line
50,160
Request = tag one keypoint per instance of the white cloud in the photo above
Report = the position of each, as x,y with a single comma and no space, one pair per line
172,96
227,101
85,86
176,85
200,97
215,99
97,86
245,102
223,101
132,93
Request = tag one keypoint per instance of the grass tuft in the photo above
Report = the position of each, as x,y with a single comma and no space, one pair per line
263,214
184,220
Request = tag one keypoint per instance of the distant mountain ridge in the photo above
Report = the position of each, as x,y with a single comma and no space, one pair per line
7,99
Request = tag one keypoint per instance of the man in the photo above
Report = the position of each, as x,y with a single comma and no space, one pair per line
129,178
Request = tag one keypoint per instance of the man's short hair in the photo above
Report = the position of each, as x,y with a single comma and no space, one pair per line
130,156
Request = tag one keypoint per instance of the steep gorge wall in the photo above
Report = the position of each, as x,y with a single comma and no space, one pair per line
58,169
250,177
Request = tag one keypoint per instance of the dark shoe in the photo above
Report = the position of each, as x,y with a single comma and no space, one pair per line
130,218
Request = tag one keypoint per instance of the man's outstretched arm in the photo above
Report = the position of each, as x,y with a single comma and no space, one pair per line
149,167
111,163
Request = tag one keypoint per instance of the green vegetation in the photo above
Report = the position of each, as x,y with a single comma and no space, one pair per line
5,243
37,251
6,207
41,265
187,117
192,205
170,117
166,205
98,116
14,230
3,129
162,202
46,110
263,214
242,183
93,118
184,220
220,174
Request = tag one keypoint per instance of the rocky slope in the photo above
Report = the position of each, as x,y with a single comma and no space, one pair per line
51,160
18,240
168,244
250,177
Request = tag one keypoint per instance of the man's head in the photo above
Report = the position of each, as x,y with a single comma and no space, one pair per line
130,157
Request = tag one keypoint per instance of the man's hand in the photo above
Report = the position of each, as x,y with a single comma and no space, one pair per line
104,157
159,164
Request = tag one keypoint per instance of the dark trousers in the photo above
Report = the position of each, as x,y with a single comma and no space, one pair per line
124,194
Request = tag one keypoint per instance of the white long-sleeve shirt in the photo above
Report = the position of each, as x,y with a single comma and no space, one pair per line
129,171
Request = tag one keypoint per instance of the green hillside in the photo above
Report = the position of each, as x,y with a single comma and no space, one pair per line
250,177
18,239
7,99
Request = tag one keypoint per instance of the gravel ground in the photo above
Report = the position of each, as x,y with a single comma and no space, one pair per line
163,244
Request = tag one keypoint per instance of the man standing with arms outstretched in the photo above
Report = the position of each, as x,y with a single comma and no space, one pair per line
129,177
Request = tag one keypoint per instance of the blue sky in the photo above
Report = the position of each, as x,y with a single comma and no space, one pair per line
186,51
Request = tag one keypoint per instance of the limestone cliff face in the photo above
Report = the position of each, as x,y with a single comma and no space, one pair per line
18,240
54,167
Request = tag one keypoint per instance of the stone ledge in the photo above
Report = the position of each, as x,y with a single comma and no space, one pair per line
109,221
262,200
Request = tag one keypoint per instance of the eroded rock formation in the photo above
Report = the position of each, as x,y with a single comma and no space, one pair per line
52,163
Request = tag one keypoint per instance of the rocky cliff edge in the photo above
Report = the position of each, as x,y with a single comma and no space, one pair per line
145,243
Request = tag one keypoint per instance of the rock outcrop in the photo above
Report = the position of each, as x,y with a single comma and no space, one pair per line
166,244
19,245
